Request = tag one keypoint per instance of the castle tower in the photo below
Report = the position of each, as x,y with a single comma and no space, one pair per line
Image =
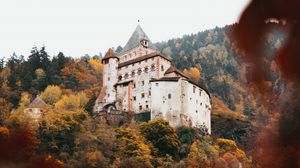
110,77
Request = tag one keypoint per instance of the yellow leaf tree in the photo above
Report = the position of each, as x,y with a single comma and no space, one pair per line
193,73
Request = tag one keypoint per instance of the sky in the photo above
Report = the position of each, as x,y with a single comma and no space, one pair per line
79,27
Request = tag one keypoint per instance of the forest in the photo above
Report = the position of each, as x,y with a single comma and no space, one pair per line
67,134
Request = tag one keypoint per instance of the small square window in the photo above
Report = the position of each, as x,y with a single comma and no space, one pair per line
169,96
134,98
143,95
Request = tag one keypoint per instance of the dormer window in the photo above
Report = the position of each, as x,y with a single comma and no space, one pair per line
144,43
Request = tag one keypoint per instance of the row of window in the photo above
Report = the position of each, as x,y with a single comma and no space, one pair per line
133,54
138,72
194,90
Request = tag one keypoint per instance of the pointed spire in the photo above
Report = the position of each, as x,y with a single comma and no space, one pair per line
109,54
136,38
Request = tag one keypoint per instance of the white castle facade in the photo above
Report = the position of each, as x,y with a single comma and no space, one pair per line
140,79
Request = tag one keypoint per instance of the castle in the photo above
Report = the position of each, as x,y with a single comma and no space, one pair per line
140,79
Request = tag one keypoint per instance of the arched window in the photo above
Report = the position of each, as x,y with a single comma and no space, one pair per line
132,73
146,69
126,76
152,67
139,71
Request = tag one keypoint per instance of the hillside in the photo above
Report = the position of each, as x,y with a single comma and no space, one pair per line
69,133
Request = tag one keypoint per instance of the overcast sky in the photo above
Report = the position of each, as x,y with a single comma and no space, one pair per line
78,27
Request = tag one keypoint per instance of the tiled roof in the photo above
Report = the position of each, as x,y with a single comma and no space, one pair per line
136,38
166,79
38,103
109,54
142,58
175,70
123,83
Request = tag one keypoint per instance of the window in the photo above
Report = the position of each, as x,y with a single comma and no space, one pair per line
132,73
134,85
143,95
196,111
120,77
169,96
152,67
194,89
162,68
143,83
146,69
147,107
149,93
126,76
199,92
141,108
134,98
152,59
200,104
156,84
108,78
139,71
108,95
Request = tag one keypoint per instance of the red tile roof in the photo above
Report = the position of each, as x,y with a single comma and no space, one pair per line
175,70
109,54
142,58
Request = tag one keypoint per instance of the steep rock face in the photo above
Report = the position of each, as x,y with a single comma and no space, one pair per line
115,118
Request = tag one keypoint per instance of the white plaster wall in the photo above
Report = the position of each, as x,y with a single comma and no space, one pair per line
122,97
162,106
197,105
140,88
110,79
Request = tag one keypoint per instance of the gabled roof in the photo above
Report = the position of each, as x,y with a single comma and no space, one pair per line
175,70
142,58
136,38
38,103
109,54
